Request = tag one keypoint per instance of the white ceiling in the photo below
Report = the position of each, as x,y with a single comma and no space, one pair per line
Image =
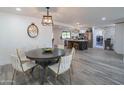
71,15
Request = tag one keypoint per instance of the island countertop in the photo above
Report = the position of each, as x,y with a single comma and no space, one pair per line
80,44
76,40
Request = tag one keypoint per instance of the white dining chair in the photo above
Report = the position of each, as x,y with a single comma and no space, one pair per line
73,56
62,66
21,54
73,51
59,47
21,65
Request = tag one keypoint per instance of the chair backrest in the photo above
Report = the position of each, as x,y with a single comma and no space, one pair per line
16,64
60,46
73,51
21,54
65,64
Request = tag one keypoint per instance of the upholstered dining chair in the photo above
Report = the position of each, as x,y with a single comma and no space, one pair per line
62,66
21,65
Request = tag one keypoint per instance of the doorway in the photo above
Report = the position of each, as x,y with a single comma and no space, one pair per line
98,38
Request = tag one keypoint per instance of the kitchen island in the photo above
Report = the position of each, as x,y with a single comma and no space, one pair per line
78,44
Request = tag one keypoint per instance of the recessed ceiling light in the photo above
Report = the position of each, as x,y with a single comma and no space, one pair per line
103,18
81,25
18,9
77,23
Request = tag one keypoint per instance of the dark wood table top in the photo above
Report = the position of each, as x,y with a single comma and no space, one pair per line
38,54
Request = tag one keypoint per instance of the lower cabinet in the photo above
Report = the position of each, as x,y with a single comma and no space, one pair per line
80,45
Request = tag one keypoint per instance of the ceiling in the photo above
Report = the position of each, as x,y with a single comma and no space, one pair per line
86,16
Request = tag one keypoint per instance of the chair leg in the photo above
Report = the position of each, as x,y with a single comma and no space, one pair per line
33,69
27,74
13,76
70,76
46,73
56,77
32,72
72,71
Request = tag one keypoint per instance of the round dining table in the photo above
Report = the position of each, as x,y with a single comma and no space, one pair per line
44,58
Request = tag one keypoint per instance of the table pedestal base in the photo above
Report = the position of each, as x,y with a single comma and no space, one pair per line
123,58
44,65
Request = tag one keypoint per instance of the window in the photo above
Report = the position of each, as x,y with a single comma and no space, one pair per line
66,35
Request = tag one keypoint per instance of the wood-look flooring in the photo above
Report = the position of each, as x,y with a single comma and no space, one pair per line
90,67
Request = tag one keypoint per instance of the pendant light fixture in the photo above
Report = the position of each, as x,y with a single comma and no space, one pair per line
47,19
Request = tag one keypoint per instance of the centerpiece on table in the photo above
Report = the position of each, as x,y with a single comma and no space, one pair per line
47,50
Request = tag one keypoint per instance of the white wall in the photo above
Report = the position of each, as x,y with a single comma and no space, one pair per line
119,38
57,32
109,32
13,34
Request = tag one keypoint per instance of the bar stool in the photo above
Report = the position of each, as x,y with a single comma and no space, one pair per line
76,45
70,45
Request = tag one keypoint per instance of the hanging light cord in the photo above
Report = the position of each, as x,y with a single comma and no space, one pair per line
47,10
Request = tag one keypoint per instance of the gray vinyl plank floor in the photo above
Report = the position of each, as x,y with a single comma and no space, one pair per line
90,67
